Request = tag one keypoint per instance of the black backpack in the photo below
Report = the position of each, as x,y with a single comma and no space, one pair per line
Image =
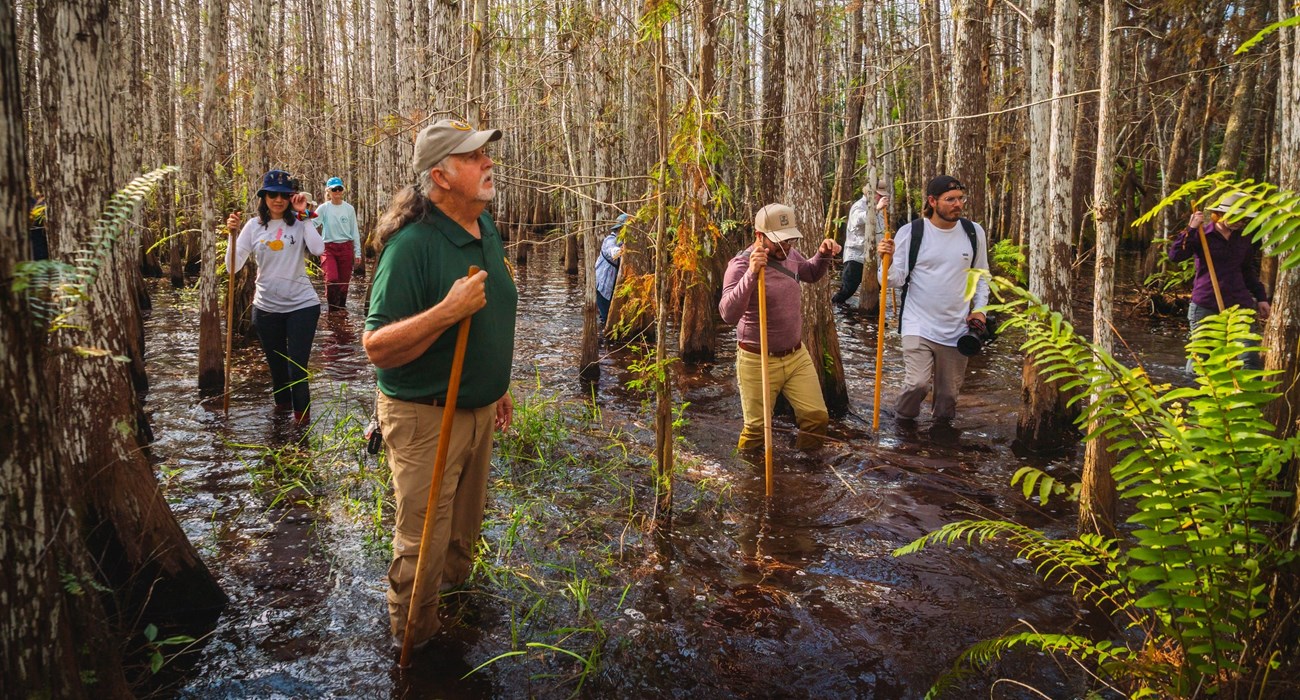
914,247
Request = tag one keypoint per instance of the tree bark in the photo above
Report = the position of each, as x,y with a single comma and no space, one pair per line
1282,334
698,329
1097,498
1044,416
50,637
803,191
212,349
967,133
770,164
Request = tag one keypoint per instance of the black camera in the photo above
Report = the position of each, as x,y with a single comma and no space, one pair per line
976,338
374,437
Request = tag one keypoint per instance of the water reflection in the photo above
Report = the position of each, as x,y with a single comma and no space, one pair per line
740,600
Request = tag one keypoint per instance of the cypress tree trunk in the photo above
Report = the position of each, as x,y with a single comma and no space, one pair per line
1097,499
803,191
1044,417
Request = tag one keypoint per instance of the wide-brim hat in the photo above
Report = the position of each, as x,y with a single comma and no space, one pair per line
882,188
777,222
620,222
278,181
1228,202
447,137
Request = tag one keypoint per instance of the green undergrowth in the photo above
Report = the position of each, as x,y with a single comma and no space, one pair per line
562,537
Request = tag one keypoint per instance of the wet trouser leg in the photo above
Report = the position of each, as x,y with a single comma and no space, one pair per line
300,333
1196,314
271,333
793,375
602,310
411,435
850,278
926,362
336,265
803,390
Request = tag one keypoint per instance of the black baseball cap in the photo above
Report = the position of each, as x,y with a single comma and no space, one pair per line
941,184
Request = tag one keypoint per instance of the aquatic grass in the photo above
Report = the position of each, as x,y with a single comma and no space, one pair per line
560,521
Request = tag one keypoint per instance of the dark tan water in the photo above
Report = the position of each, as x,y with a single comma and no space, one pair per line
796,596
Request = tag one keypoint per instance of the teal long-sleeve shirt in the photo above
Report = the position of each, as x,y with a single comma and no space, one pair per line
338,223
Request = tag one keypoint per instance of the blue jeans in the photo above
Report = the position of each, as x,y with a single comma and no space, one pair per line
286,339
602,309
1196,314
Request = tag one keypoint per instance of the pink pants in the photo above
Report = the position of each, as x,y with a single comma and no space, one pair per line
336,263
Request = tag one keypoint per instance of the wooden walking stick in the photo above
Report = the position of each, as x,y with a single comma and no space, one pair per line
230,318
767,379
885,261
439,466
1209,264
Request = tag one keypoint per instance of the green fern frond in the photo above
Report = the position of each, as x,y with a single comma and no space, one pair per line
55,289
984,653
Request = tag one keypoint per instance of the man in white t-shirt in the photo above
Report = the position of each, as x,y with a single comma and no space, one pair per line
935,313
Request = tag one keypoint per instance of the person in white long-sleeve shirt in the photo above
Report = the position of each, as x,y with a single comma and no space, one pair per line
935,312
855,237
286,307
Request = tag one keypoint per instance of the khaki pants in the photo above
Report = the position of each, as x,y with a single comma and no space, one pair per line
792,375
924,360
411,434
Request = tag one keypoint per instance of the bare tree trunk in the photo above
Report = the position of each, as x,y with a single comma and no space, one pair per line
770,163
857,85
698,329
50,638
212,351
152,568
663,385
968,134
1282,334
803,192
935,81
1044,415
1234,134
1097,498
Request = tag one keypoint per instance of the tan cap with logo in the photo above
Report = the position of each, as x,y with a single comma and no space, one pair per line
777,222
447,137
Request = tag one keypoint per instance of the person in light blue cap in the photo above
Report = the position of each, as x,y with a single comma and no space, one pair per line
607,269
338,225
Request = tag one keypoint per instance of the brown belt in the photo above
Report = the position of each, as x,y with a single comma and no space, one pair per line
771,353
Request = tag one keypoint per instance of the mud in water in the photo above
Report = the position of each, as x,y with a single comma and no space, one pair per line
743,596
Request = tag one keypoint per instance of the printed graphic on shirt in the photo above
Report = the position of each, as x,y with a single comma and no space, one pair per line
277,244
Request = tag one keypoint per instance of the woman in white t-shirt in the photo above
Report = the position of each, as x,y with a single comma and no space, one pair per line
285,305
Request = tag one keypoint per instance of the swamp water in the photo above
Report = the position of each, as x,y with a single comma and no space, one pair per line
796,596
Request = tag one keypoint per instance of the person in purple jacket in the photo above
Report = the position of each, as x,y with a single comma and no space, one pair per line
790,367
1236,264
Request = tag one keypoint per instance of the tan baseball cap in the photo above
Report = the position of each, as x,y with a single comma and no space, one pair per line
777,222
447,137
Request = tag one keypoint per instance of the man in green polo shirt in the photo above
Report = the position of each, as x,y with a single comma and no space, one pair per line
428,239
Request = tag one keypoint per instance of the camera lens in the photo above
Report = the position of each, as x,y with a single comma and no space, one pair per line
969,344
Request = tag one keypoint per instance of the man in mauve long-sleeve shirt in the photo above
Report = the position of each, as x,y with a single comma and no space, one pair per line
1236,264
790,367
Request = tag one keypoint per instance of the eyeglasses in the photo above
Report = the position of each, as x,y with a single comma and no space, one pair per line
954,200
336,189
278,195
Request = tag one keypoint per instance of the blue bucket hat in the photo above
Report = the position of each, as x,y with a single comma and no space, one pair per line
334,182
620,222
277,181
